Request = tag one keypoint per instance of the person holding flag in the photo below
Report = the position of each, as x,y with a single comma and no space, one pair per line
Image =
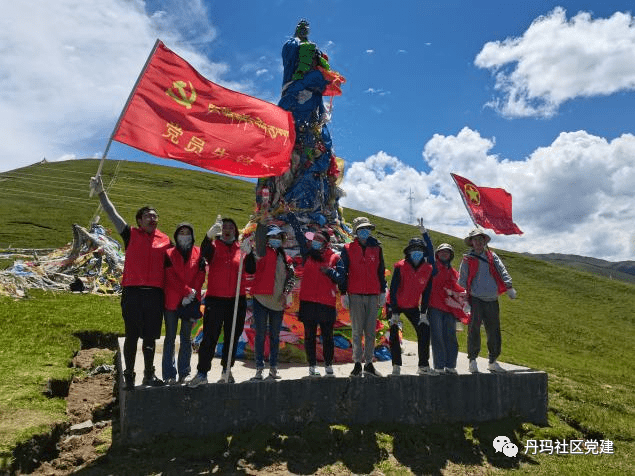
409,294
221,249
484,276
142,284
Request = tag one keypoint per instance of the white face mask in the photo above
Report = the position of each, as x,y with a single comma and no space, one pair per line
184,241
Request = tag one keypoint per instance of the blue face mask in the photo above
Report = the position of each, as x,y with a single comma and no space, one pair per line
275,242
317,245
363,234
416,256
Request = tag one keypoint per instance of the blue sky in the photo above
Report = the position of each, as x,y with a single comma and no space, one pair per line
536,97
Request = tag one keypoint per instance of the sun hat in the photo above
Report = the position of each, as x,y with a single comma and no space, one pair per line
362,222
476,232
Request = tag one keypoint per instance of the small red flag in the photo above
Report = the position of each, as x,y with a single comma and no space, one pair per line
176,113
489,207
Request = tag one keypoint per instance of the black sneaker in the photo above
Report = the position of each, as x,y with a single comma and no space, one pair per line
370,371
128,381
357,370
151,380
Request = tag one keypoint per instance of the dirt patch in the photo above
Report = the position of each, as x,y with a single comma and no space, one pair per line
90,399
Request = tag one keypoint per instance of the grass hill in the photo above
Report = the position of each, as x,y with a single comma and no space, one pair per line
622,270
577,326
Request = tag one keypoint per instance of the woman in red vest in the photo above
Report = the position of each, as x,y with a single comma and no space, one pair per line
142,285
323,272
184,277
443,311
409,293
223,259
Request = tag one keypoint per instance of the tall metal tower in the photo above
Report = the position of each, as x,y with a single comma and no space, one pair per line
411,199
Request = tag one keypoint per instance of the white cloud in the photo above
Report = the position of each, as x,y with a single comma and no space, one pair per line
370,52
67,67
378,92
573,196
557,60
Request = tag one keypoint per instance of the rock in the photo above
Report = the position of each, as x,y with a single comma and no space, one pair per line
81,428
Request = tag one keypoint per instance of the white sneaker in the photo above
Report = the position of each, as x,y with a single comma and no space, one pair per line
258,375
273,374
450,371
427,371
199,379
473,368
494,367
313,372
329,371
396,370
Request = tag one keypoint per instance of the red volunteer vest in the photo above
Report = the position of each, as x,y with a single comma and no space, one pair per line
316,286
144,258
412,282
472,269
363,266
182,277
446,278
265,276
222,274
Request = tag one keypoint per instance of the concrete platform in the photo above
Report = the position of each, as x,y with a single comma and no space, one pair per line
297,399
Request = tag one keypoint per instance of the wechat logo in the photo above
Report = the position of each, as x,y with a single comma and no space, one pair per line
504,444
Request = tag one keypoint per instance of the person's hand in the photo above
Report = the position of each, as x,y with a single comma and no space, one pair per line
246,246
511,292
382,299
96,184
421,226
423,319
289,300
344,300
189,298
216,228
395,319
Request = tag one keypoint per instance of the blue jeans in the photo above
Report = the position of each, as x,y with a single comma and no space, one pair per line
445,347
185,348
263,317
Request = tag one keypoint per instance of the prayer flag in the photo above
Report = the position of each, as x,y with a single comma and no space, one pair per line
176,113
489,207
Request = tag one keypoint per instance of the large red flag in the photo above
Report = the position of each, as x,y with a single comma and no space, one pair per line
176,113
489,207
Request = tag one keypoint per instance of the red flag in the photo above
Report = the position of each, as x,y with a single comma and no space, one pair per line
489,207
176,113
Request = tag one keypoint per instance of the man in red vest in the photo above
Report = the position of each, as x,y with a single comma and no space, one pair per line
273,281
483,275
365,286
223,261
142,283
409,294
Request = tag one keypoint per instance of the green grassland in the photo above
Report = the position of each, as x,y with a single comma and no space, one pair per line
576,326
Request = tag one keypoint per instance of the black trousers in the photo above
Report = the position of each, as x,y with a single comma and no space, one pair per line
423,339
219,314
313,314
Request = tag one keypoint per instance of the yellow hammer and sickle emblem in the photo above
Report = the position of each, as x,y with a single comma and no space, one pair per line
183,100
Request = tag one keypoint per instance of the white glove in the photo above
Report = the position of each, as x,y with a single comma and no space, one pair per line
421,227
395,320
382,299
467,308
511,292
344,301
96,184
423,319
216,228
289,299
189,298
246,246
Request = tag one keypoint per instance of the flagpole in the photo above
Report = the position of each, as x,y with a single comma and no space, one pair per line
231,340
123,111
469,212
